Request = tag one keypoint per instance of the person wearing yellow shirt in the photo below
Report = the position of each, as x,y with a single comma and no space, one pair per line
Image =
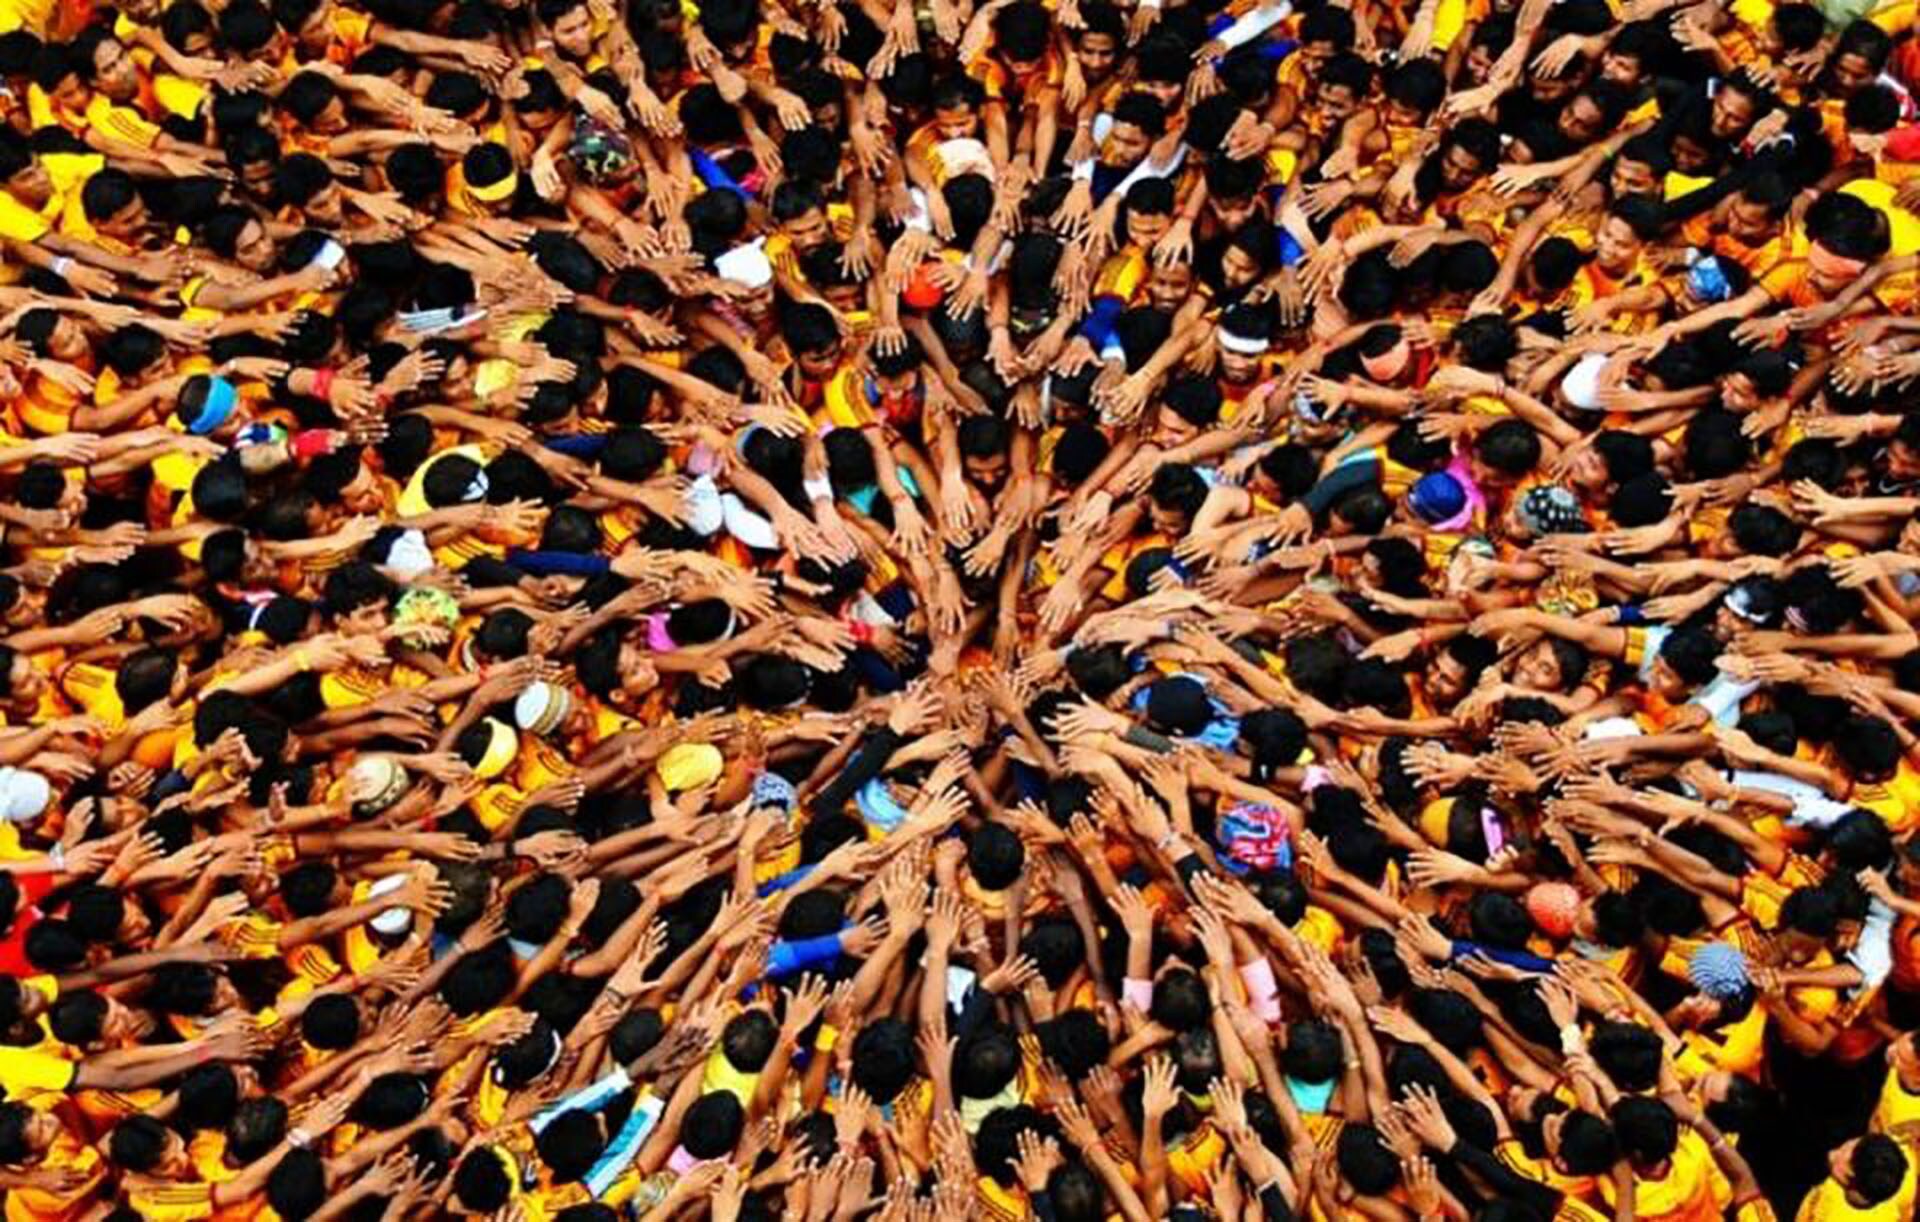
1871,1180
41,219
1897,1113
157,1163
1675,1178
58,1171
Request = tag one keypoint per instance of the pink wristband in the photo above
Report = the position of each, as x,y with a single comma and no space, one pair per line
1137,993
322,382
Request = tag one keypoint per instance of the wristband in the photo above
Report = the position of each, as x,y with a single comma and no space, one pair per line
312,443
1571,1040
828,1037
299,1138
860,631
322,382
62,264
58,856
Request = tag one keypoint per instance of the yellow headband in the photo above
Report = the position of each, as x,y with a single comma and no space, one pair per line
495,192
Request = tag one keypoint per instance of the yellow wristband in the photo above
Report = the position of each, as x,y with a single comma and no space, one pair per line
828,1037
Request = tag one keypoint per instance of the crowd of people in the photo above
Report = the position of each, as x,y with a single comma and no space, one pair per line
979,609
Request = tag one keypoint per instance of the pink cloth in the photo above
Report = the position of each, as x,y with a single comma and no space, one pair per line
1263,992
1462,470
657,639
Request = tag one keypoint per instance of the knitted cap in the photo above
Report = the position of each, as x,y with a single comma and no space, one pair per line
1719,971
1553,907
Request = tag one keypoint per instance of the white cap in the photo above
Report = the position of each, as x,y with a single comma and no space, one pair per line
542,708
390,922
747,265
409,553
23,795
374,783
1581,386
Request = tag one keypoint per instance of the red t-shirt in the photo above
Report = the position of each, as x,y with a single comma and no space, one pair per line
13,947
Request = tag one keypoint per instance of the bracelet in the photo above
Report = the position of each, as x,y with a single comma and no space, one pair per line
62,264
829,1036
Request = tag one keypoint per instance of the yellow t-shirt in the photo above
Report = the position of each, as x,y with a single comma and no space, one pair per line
1828,1203
1694,1189
159,1202
1898,1109
1896,800
67,1153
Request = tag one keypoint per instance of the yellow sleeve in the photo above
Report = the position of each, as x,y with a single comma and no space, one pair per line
24,1071
19,223
10,847
120,122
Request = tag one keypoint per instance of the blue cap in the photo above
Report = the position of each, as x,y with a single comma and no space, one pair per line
1437,497
772,789
1708,281
1719,971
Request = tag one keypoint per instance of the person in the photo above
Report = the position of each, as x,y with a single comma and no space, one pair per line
1109,609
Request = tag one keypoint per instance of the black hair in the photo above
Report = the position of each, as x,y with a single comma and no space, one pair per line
1365,1161
1646,1128
481,1181
883,1059
748,1040
712,1125
985,1062
1879,1167
1076,1041
1511,446
137,1143
331,1023
1629,1053
996,857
